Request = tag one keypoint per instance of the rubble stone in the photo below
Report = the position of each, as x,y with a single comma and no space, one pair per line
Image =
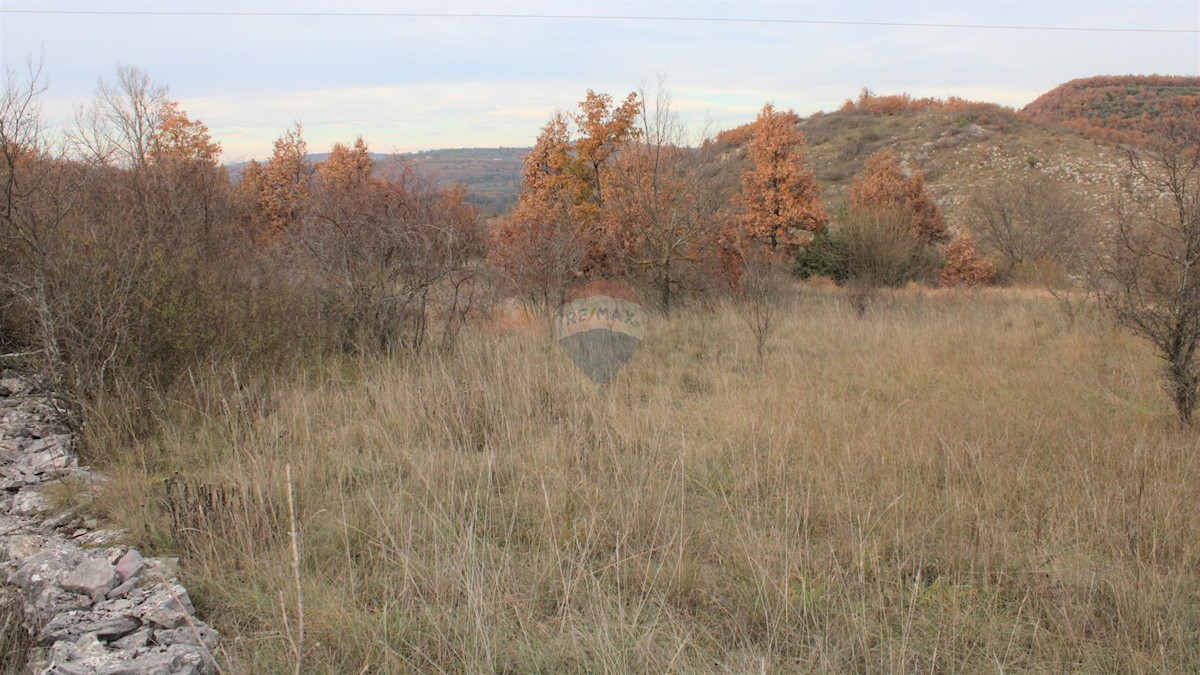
98,608
93,578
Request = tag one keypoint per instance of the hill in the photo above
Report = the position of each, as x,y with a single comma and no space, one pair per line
963,147
1125,104
492,176
961,153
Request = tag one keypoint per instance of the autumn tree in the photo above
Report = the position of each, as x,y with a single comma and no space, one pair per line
272,194
117,256
964,265
178,138
377,240
887,185
780,196
663,214
557,232
349,169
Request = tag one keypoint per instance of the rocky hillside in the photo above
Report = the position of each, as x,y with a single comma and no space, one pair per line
961,152
964,149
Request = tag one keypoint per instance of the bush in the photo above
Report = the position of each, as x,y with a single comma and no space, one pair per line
964,266
824,257
879,248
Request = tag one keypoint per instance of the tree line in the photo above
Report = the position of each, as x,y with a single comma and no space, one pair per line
130,258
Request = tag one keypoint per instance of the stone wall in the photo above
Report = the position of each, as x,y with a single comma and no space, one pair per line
89,604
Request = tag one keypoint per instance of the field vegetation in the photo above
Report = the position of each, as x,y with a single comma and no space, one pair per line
953,481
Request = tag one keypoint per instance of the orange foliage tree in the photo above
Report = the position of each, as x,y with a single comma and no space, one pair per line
181,138
557,231
347,168
886,186
273,193
780,195
662,208
377,240
183,159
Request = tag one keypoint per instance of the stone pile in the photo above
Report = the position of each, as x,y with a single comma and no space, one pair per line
93,606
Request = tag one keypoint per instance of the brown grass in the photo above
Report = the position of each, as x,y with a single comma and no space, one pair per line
953,482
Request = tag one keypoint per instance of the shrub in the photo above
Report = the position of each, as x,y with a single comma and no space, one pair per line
879,248
964,265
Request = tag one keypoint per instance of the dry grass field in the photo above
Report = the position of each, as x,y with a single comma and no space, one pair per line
952,482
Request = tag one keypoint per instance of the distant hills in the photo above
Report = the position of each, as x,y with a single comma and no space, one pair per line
492,176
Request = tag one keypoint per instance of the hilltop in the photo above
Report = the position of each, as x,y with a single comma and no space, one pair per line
963,147
1124,104
961,151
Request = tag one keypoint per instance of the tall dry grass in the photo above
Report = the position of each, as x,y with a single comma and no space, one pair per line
951,482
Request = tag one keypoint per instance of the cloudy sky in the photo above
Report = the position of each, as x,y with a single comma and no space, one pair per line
412,75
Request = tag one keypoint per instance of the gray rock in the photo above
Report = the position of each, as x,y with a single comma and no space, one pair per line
52,601
47,454
30,502
119,591
120,605
135,640
18,547
63,521
100,538
173,660
130,564
88,656
167,607
46,568
87,598
93,577
106,626
201,635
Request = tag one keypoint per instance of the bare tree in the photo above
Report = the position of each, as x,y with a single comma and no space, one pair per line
1030,220
760,293
1043,233
1153,258
35,201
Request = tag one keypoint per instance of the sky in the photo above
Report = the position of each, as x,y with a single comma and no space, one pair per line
419,75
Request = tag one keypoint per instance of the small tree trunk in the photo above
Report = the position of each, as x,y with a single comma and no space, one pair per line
1183,390
665,291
